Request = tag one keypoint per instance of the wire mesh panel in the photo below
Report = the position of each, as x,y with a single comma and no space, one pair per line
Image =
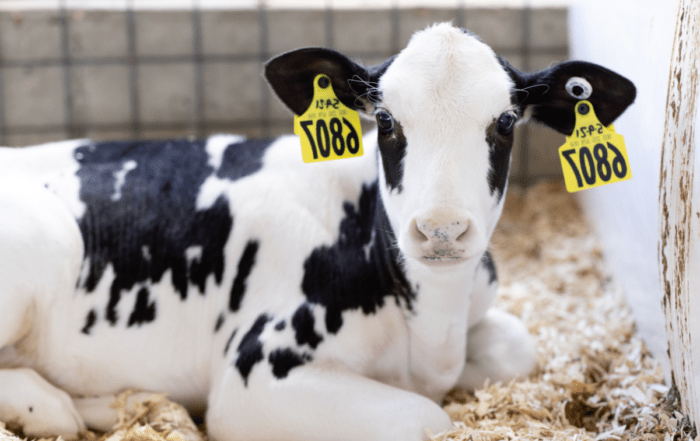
134,73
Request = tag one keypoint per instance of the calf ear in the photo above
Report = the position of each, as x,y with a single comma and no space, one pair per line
546,94
291,76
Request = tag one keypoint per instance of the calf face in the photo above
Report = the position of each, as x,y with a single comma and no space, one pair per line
445,108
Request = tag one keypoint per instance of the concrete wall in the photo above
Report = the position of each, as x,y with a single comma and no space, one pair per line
142,74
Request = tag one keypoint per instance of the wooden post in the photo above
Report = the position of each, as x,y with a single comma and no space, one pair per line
679,206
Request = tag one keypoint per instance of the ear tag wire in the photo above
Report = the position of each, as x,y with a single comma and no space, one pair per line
328,129
593,155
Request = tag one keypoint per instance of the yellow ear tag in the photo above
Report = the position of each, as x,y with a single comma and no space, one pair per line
593,155
328,129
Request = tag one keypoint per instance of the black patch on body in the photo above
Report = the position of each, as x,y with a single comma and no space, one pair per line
146,232
280,325
229,341
89,322
219,322
284,360
500,147
487,262
303,324
392,147
341,277
250,350
144,310
243,159
245,266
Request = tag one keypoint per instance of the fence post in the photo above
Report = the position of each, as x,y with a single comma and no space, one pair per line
679,206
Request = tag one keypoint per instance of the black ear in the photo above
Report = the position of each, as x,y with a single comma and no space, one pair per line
291,76
545,92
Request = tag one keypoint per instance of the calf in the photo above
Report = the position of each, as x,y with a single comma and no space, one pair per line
289,300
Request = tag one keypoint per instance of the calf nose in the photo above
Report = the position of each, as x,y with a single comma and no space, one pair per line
447,238
452,232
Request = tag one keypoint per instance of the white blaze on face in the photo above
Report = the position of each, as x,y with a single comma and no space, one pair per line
445,89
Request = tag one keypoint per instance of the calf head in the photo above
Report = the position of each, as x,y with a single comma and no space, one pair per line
445,108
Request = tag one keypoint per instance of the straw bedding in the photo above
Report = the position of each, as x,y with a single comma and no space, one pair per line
595,380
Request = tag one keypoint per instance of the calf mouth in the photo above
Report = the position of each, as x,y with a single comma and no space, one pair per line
441,261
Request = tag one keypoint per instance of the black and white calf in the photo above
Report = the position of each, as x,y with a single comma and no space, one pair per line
337,300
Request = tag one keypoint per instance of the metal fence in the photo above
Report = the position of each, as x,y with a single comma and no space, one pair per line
67,73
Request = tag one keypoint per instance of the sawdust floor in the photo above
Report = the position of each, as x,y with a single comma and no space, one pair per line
595,381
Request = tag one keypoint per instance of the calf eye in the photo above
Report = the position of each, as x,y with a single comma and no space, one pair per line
506,123
385,122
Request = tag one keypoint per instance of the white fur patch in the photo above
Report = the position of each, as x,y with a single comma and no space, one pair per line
120,178
216,146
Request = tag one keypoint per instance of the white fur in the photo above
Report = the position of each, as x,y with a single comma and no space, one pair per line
378,378
120,178
462,88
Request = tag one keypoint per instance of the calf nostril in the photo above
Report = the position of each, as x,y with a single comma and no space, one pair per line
464,235
417,232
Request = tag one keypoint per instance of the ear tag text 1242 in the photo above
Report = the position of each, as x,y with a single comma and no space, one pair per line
593,155
328,129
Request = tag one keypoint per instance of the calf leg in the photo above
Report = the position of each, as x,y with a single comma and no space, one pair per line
40,253
100,413
40,408
318,403
499,348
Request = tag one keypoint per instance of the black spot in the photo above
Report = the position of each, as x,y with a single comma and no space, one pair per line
144,312
345,276
229,341
392,147
147,231
280,325
219,322
500,147
31,409
245,266
89,322
487,262
250,349
284,360
303,324
243,159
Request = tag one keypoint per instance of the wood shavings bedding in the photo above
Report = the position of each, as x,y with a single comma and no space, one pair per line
595,381
146,417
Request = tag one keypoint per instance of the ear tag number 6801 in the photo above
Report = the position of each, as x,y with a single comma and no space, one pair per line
593,155
328,129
